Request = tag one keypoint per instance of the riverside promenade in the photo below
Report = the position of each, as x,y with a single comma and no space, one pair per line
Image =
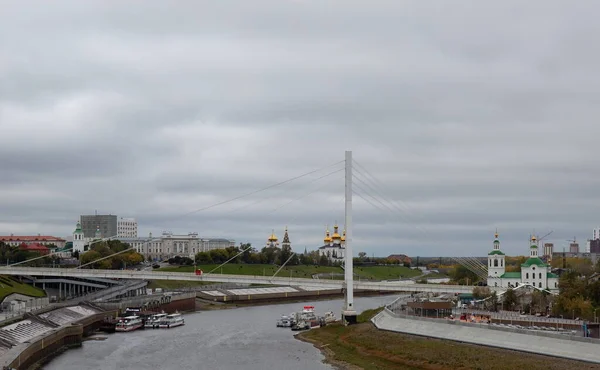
548,344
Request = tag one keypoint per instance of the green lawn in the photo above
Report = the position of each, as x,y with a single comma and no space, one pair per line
9,286
302,271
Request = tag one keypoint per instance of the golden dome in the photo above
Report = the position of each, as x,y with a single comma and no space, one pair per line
533,238
273,237
327,237
335,235
344,236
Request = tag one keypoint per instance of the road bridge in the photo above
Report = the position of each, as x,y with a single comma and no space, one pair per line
395,286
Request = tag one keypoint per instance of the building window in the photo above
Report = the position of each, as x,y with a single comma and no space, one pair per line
540,275
495,263
501,263
555,284
527,275
540,285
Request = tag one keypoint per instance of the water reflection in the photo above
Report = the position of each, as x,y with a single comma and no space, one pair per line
244,338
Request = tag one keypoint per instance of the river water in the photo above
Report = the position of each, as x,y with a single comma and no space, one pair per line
242,338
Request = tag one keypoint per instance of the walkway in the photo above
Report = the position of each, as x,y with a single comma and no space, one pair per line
390,286
574,348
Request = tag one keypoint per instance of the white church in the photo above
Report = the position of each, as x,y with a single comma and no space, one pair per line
533,271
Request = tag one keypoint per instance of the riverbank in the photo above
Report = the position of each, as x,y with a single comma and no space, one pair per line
363,346
209,305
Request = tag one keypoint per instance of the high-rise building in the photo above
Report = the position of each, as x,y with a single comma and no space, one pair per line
127,228
548,250
574,247
107,224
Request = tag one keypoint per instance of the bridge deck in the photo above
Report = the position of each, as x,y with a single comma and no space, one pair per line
397,286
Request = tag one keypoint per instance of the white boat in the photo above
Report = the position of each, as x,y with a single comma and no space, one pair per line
284,322
129,323
306,319
329,317
154,320
172,320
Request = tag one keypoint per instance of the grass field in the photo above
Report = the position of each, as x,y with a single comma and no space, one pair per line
302,271
368,348
9,286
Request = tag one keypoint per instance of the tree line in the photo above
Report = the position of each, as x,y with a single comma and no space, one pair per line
106,248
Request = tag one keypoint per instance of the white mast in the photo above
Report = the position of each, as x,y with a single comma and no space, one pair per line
349,313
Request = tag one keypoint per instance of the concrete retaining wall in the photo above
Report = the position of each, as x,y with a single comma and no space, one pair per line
162,301
269,297
21,357
570,347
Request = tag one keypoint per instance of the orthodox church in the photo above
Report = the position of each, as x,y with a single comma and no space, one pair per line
273,241
533,271
334,247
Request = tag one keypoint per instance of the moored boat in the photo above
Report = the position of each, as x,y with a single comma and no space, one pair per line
329,317
155,320
284,322
172,320
129,323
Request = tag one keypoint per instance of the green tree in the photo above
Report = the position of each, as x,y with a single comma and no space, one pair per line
510,299
464,276
203,258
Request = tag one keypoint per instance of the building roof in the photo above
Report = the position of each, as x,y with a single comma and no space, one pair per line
399,257
534,261
498,252
551,276
332,246
511,275
28,238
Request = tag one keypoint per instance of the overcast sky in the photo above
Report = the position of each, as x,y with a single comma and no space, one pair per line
468,116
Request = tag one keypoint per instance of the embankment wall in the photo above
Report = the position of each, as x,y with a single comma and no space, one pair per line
285,296
165,301
23,356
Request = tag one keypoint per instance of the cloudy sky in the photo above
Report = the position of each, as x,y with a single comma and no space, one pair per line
466,116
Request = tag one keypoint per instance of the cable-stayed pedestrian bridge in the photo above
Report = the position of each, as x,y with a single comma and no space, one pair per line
398,286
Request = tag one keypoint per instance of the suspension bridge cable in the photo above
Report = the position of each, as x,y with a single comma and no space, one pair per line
226,262
259,190
103,258
369,194
53,253
114,254
358,166
283,265
389,209
362,176
312,192
265,199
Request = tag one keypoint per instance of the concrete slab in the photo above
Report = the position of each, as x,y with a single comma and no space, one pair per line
557,347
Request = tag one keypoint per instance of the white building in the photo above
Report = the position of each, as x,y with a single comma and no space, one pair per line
127,228
533,271
335,245
79,240
170,245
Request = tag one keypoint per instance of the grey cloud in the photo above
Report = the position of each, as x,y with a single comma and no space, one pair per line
476,116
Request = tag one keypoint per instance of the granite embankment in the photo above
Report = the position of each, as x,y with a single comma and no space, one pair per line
36,337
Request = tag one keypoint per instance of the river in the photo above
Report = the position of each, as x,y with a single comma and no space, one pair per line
243,338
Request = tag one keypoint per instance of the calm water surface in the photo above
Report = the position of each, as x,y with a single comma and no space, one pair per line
243,338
